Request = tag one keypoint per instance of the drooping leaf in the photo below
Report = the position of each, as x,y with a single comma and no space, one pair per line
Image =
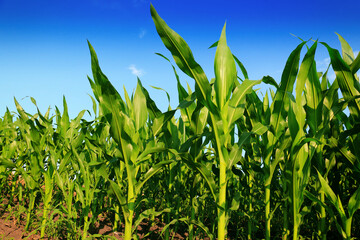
235,109
345,78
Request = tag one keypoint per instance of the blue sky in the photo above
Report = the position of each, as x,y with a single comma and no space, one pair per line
44,54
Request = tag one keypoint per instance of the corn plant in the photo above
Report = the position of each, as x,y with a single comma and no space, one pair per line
127,127
224,109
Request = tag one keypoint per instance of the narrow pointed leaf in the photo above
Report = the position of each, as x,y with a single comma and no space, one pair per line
225,71
181,54
347,52
345,78
354,202
280,104
140,109
235,109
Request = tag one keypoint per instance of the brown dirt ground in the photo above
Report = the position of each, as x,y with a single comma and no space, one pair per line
12,229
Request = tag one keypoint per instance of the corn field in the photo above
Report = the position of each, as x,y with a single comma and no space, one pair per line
225,164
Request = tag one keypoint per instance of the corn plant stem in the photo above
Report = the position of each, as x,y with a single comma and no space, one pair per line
295,203
128,225
250,207
192,217
12,191
86,224
47,205
267,212
347,227
31,207
267,193
20,194
167,215
322,223
222,201
131,206
69,206
117,218
168,199
286,230
167,232
221,204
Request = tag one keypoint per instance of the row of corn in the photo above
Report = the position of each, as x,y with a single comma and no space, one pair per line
232,165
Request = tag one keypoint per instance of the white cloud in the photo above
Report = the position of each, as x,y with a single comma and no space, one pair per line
135,71
323,64
356,53
142,33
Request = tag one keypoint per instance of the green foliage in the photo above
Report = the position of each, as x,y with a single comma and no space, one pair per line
230,165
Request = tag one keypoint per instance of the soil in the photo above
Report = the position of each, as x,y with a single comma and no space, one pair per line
12,229
12,224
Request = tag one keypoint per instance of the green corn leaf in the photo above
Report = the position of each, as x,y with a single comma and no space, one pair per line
153,110
355,64
60,182
347,52
235,154
140,109
354,203
280,104
345,78
225,71
161,121
20,110
111,102
64,162
237,99
349,156
327,190
106,92
331,196
271,81
203,170
187,221
305,67
65,122
181,91
151,172
80,194
119,195
313,198
7,163
129,102
314,102
293,123
239,63
259,128
182,55
241,66
167,94
94,105
199,120
149,150
147,214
